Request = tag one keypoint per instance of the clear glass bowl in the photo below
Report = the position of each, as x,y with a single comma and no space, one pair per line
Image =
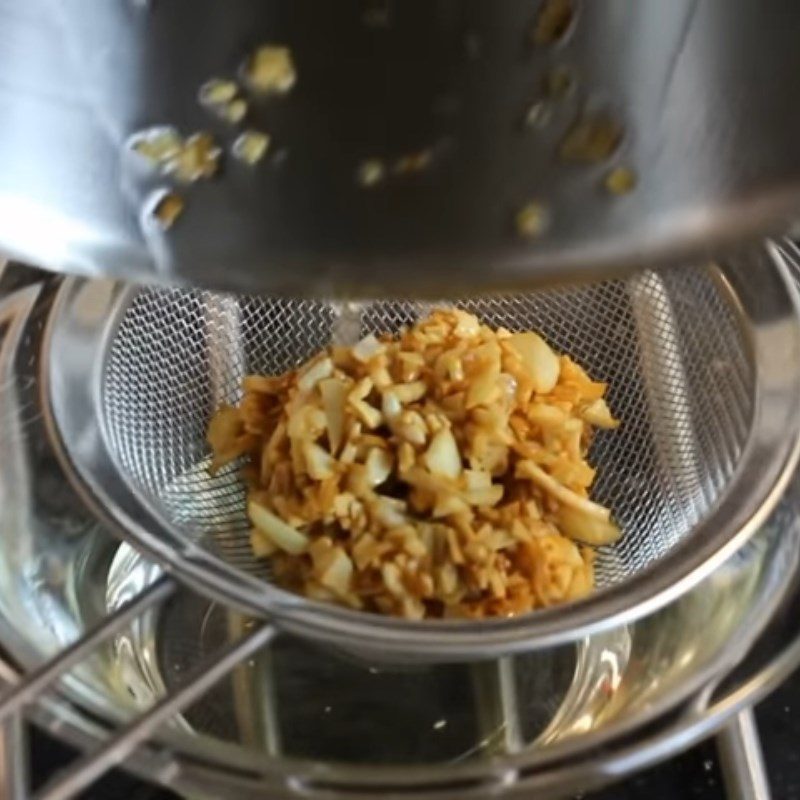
303,719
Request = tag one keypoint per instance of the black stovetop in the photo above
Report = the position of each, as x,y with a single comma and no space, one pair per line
694,775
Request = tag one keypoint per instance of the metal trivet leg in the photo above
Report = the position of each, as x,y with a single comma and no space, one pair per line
14,759
741,759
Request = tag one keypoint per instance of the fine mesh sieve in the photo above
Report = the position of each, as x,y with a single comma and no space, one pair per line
660,472
682,352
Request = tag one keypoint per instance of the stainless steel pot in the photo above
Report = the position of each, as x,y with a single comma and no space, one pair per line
701,97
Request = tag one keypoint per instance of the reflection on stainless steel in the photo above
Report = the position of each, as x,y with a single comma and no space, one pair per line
701,90
688,474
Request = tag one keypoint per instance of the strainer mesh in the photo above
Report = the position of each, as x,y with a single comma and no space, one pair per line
671,345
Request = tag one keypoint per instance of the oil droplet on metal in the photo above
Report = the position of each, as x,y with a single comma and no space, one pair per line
553,21
538,115
157,145
270,70
559,83
413,162
621,180
251,146
221,97
532,220
166,208
235,111
217,92
371,172
592,139
199,158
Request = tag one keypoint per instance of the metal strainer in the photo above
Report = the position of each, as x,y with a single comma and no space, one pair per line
703,366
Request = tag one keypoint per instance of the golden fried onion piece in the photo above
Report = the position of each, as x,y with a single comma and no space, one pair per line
441,473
